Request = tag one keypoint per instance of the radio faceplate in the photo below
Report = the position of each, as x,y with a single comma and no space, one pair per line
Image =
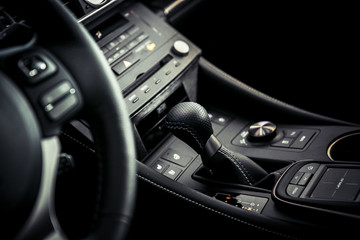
139,47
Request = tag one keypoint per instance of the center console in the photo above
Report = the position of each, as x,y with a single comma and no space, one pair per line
157,68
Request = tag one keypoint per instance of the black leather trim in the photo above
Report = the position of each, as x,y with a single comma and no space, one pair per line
213,81
105,110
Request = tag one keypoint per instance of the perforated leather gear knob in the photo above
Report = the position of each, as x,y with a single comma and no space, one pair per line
190,122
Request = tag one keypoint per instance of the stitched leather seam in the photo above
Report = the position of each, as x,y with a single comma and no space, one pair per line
239,165
184,126
211,209
78,142
99,178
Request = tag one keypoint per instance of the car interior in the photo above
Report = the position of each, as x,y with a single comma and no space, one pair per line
178,119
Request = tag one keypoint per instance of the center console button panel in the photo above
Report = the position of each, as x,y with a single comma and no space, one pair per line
289,139
321,185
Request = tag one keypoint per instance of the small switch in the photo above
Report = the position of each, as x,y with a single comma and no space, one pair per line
176,157
36,67
285,142
296,178
310,168
172,172
160,166
294,190
305,179
303,139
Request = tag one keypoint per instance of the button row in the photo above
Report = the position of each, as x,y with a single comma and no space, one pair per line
138,94
301,179
168,169
59,100
120,39
250,203
296,139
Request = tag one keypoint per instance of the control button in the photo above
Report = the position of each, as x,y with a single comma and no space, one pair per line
64,106
296,178
285,142
294,190
262,131
145,89
292,133
132,44
303,139
141,37
160,166
251,203
112,44
172,172
241,139
59,100
122,37
180,48
125,64
104,50
176,157
305,179
310,168
222,120
36,67
56,93
133,98
133,30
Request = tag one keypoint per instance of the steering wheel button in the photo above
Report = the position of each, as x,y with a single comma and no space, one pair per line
63,107
56,93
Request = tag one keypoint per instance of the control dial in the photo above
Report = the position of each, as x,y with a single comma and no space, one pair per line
262,131
180,48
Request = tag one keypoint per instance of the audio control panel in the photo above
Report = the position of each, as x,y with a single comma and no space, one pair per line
144,52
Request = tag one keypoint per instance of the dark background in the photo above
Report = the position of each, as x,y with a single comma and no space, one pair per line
304,54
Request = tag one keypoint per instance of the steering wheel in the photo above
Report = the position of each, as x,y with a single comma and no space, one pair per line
56,76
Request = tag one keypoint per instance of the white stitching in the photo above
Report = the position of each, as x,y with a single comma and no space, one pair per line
236,164
211,209
186,129
77,141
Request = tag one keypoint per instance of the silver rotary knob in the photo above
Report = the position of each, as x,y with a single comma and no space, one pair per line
180,48
262,131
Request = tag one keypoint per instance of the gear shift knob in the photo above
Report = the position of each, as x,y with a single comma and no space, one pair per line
190,122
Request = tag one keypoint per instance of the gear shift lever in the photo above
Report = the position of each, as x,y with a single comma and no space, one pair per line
190,122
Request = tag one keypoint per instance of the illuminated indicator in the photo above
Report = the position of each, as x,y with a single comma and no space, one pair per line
127,63
151,46
98,34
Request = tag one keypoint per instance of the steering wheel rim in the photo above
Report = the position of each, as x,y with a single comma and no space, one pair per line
104,109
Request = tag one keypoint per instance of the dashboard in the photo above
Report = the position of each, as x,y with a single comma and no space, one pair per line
155,75
312,160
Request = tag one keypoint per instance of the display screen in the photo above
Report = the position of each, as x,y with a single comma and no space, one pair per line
108,26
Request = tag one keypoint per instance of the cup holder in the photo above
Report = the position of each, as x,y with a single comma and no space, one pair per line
345,148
